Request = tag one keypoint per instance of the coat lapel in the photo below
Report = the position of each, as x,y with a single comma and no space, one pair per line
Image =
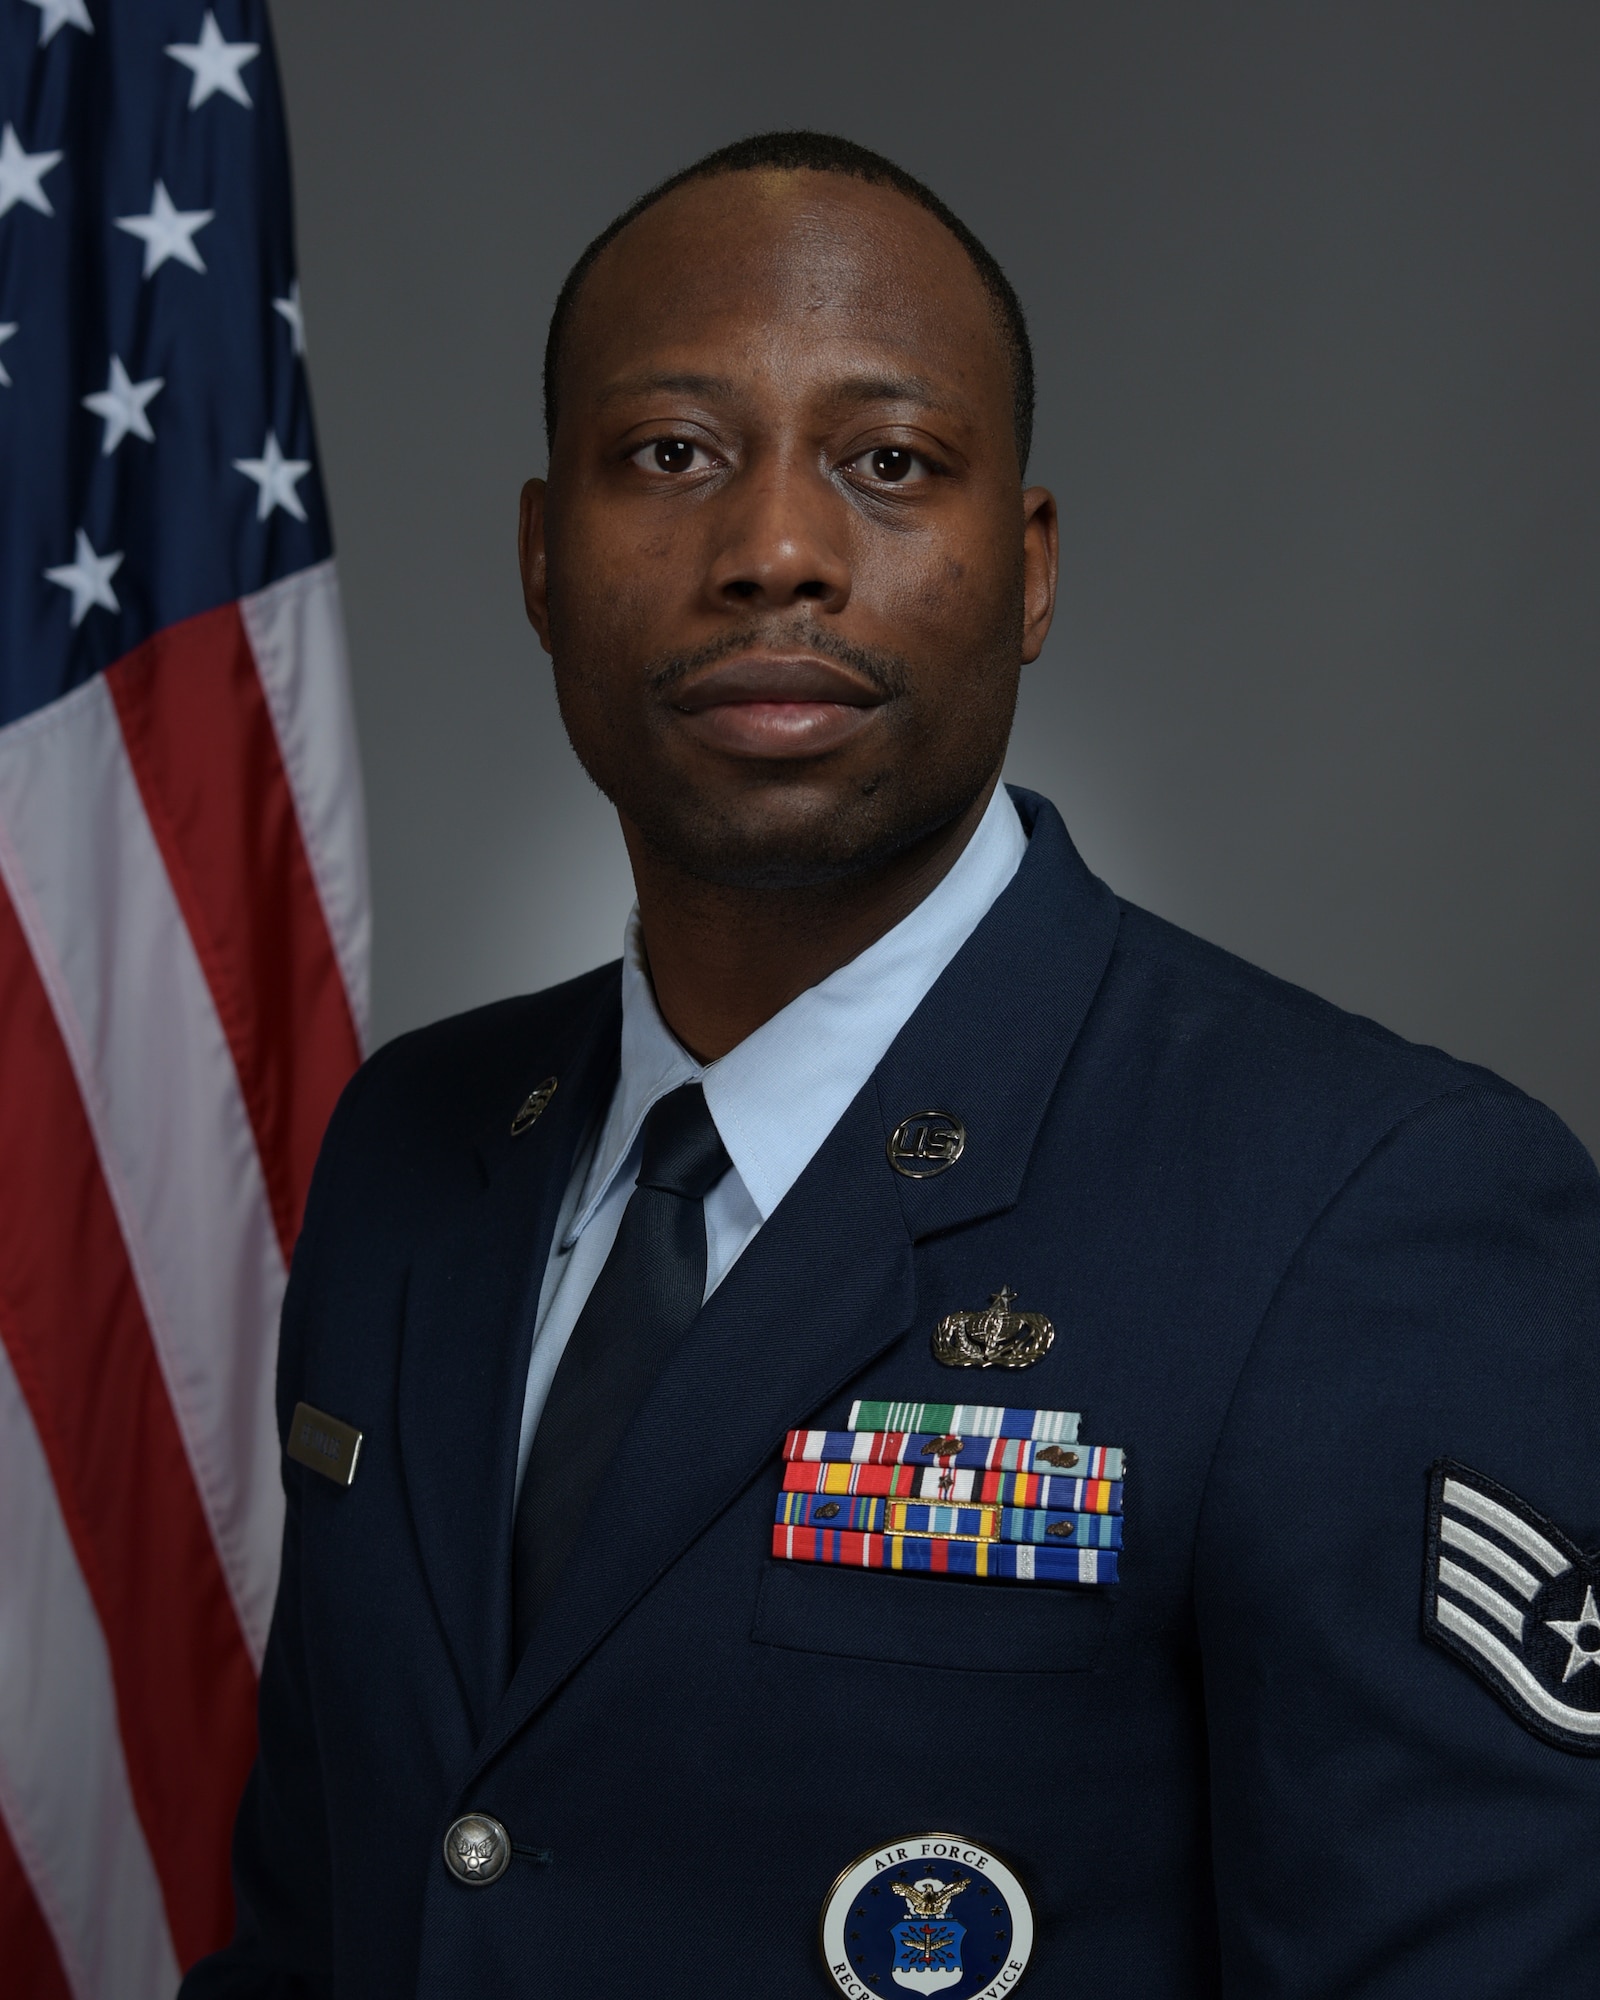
471,1298
988,1045
773,1343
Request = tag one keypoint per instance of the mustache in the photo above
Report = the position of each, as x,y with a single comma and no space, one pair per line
887,673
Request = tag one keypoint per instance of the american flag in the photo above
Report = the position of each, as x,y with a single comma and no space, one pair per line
183,950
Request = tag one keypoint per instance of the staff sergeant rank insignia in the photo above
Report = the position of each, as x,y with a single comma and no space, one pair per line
930,1914
1515,1601
997,1337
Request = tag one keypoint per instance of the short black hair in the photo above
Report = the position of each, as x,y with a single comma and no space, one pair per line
824,153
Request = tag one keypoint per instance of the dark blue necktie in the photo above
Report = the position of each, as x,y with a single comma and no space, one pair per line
643,1303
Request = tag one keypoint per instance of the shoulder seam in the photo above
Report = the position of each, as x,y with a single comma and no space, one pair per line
1369,1031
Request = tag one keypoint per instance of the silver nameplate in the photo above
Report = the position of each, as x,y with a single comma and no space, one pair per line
324,1444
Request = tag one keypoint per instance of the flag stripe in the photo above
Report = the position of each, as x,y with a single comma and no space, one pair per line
162,1097
65,1793
296,630
205,755
32,1962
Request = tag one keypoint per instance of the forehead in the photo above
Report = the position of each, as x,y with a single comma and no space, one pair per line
797,269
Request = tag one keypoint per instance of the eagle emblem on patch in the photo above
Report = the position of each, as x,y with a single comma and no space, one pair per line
934,1913
1516,1601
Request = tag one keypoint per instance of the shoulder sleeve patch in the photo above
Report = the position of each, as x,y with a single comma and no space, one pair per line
1516,1601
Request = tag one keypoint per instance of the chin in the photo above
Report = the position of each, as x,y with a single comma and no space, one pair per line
760,842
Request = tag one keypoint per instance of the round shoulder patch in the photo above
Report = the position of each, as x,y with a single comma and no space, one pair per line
932,1913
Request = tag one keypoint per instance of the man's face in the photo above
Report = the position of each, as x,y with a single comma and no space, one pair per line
784,565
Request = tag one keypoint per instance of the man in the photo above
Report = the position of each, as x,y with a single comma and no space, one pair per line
895,1125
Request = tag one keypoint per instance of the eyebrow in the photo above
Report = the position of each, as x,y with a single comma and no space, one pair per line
709,386
891,389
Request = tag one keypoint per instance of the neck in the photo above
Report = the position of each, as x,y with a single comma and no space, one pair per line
724,960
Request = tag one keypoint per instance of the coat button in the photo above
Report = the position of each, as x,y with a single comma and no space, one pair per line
477,1850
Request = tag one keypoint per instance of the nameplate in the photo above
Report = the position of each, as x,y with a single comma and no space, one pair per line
324,1444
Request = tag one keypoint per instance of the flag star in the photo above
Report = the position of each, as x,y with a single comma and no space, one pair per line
54,14
88,577
216,63
21,173
1588,1619
167,231
122,403
276,476
289,308
5,334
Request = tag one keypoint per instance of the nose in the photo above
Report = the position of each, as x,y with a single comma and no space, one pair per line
781,542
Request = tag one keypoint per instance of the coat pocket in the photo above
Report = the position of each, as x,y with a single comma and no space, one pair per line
984,1628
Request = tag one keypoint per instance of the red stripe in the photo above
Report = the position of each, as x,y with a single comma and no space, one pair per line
75,1329
206,758
27,1949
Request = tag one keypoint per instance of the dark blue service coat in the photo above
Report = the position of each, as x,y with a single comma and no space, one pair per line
1293,1262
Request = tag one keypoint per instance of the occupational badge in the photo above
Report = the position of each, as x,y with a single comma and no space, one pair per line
997,1337
1515,1601
933,1913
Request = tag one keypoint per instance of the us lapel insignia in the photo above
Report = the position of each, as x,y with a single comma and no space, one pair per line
925,1144
930,1912
1515,1601
531,1106
997,1337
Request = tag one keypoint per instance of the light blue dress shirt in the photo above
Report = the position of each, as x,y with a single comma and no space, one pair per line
774,1098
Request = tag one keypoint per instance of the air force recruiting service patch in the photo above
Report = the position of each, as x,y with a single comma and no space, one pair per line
932,1913
1513,1598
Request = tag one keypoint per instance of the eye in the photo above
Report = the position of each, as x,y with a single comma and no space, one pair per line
671,455
891,465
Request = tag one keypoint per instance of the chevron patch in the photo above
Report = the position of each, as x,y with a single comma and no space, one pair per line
1517,1602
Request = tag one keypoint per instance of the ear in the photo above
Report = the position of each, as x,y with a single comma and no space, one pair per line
1041,537
531,556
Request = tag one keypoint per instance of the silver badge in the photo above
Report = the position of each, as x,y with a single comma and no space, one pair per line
531,1106
997,1337
477,1850
926,1143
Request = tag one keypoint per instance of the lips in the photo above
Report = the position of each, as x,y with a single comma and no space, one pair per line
770,705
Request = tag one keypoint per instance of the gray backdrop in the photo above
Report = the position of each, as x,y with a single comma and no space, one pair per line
1316,301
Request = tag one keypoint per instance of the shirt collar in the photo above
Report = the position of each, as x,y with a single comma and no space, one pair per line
778,1095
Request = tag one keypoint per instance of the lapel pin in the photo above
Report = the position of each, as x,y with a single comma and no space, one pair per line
532,1105
997,1337
925,1144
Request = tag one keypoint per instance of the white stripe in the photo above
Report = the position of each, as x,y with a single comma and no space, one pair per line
296,631
63,1785
1468,1500
1523,1581
1088,1566
1584,1721
1465,1584
163,1099
1025,1562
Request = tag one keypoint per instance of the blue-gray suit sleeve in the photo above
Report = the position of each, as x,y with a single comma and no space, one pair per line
1383,1825
282,1867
